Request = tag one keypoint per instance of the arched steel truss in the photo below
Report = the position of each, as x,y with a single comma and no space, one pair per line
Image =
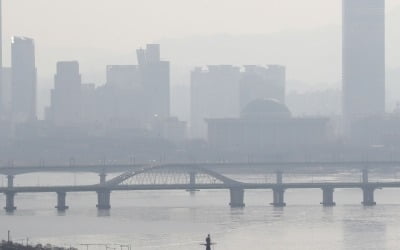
170,175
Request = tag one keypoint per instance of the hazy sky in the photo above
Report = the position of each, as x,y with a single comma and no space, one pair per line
117,24
102,31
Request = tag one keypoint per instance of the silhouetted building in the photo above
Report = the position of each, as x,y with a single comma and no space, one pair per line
133,96
155,77
262,82
221,91
120,101
171,129
23,79
5,94
123,76
1,62
89,111
382,131
214,94
65,108
363,59
266,125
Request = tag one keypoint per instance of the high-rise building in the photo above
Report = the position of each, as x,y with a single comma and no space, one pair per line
123,76
363,59
120,100
155,78
259,82
65,109
221,91
1,36
23,79
1,64
5,94
214,93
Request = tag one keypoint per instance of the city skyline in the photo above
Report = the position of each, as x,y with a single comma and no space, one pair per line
56,44
149,82
114,114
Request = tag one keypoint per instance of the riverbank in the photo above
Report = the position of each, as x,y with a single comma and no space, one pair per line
4,245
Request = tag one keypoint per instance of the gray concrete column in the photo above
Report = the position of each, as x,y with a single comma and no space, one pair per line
365,176
10,207
192,179
192,182
237,197
279,177
10,181
327,197
61,201
368,196
103,178
278,197
103,199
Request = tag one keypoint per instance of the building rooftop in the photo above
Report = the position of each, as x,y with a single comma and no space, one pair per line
265,109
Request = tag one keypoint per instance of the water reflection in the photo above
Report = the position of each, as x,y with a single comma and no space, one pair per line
364,232
103,213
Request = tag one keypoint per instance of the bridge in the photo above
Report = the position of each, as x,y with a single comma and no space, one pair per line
190,177
222,166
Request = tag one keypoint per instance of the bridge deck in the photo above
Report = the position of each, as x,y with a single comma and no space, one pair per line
95,188
102,168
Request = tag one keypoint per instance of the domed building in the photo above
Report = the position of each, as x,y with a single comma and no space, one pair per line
263,124
261,109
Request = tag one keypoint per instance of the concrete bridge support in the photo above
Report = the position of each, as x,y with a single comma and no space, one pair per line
327,197
368,196
365,176
103,199
278,197
10,181
103,178
237,197
61,201
10,207
279,177
192,182
192,179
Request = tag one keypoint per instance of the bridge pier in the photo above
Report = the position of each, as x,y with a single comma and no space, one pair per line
279,177
368,192
61,204
237,197
368,196
365,175
103,178
278,197
192,179
192,182
10,181
10,207
278,192
327,197
103,199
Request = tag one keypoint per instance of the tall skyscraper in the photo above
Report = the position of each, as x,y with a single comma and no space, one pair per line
155,77
121,99
1,63
1,36
23,79
363,59
214,93
123,76
65,106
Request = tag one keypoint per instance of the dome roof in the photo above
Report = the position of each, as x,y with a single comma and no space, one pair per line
265,109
